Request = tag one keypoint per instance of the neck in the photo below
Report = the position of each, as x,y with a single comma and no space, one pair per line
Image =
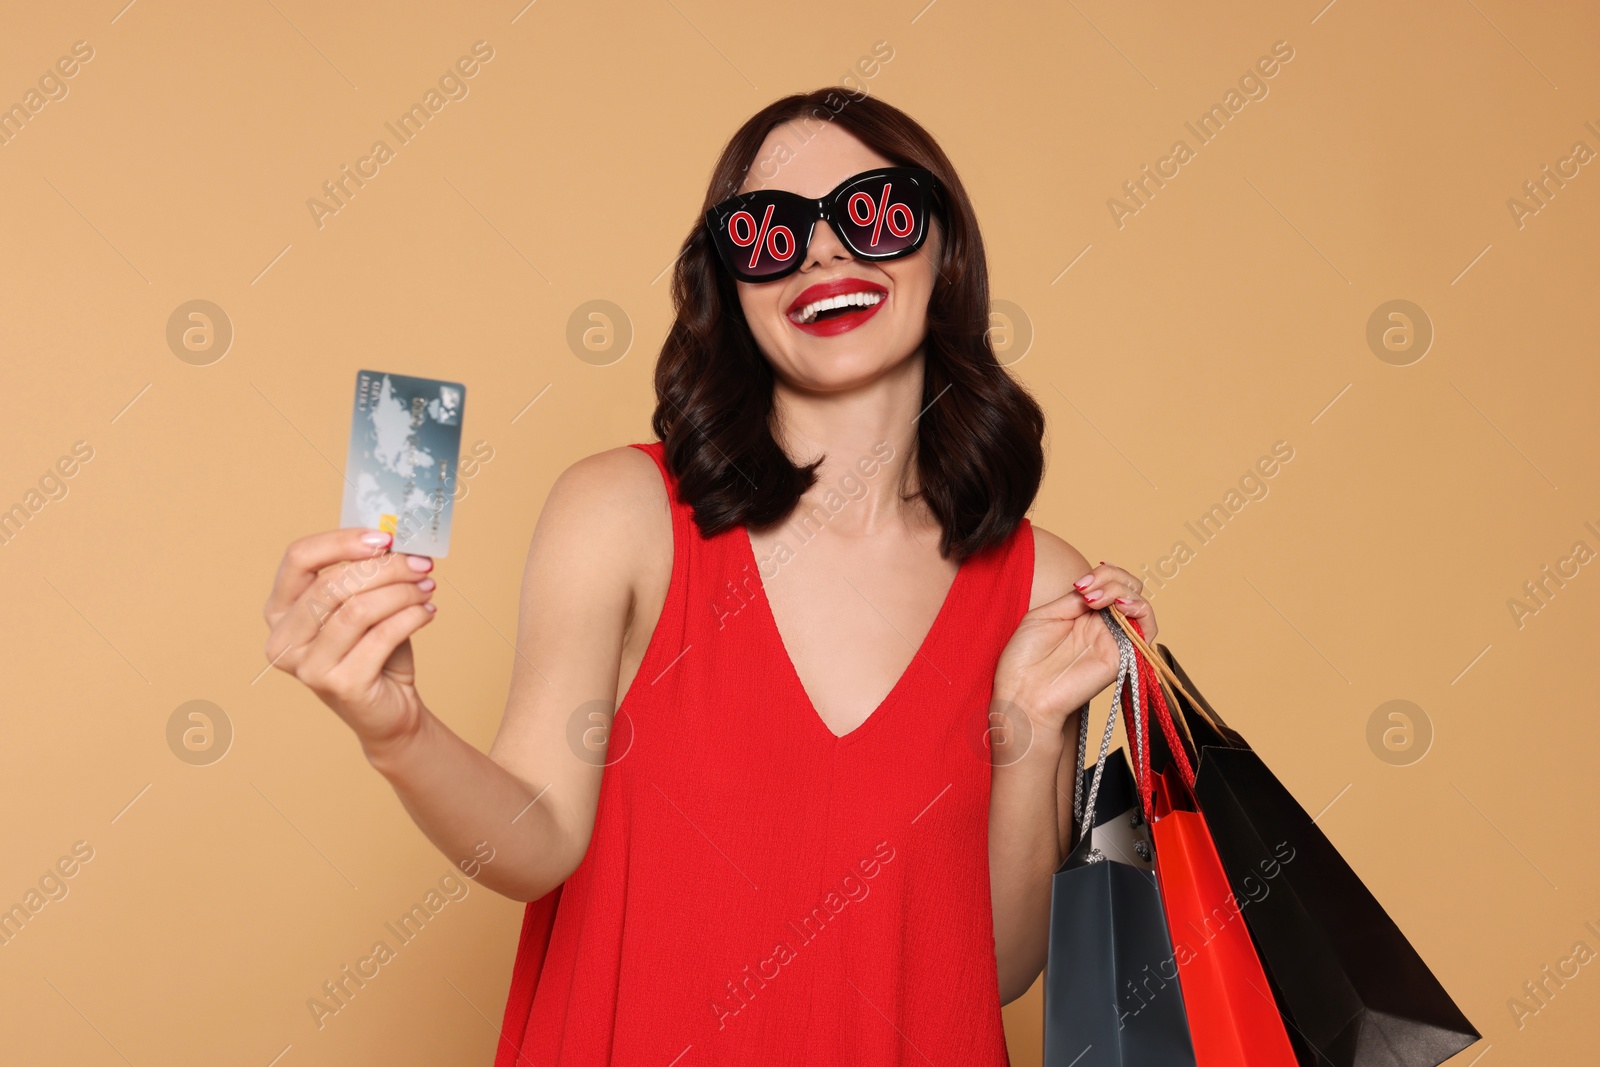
867,440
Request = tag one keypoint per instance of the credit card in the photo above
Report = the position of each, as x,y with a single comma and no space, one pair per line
400,473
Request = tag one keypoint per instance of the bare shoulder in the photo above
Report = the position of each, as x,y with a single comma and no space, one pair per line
608,512
1056,565
620,482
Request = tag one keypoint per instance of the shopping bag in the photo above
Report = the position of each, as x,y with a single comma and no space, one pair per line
1354,991
1233,1017
1111,985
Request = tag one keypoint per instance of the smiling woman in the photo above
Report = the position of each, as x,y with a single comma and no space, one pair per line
740,336
781,722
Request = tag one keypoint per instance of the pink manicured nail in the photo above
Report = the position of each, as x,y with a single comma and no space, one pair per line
1092,595
431,606
376,537
419,563
425,585
1123,600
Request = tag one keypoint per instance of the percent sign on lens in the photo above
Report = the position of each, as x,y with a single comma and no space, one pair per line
879,213
760,237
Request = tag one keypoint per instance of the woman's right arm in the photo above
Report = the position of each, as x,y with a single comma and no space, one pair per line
603,535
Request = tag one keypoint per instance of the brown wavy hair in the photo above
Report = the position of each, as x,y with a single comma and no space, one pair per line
979,449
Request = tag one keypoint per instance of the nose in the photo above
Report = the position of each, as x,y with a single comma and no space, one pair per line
825,247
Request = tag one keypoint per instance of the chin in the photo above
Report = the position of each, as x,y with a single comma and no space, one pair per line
839,367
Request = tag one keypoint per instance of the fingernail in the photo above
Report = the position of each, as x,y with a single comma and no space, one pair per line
430,606
1081,582
376,537
425,585
1092,595
419,563
1123,600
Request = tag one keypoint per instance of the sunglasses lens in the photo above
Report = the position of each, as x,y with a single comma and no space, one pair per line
760,237
884,216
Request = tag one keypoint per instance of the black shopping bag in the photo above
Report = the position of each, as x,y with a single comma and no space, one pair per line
1354,990
1111,994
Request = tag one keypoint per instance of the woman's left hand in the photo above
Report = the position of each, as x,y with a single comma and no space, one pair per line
1062,654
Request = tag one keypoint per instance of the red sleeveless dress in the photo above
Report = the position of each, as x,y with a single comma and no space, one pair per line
758,889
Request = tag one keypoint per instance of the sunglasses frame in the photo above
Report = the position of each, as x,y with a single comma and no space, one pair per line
825,208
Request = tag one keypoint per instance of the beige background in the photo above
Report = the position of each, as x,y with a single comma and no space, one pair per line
1230,312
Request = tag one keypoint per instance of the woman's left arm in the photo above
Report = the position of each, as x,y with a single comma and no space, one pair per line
1061,655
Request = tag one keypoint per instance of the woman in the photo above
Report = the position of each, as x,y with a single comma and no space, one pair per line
822,825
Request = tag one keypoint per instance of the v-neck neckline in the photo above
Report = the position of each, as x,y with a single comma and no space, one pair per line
793,674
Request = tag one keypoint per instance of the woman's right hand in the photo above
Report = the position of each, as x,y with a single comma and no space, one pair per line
341,612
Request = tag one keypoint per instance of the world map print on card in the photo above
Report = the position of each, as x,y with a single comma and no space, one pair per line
400,473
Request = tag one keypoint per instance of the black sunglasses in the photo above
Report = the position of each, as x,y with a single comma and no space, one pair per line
878,214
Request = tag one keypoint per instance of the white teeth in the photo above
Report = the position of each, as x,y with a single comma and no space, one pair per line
860,299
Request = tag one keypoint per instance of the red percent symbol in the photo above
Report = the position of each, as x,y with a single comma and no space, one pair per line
880,213
756,237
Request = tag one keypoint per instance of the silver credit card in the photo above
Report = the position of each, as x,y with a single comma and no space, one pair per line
400,473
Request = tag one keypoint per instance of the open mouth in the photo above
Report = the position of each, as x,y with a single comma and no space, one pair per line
836,307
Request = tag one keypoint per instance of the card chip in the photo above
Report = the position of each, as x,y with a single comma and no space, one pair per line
388,523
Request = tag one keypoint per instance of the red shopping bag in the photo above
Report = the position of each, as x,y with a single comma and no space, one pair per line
1233,1017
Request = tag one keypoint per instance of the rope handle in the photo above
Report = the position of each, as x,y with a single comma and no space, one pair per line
1149,683
1136,635
1154,700
1163,715
1083,811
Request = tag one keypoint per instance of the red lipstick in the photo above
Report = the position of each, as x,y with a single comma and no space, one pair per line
838,322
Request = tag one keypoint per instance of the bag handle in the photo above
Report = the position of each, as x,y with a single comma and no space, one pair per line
1166,673
1137,726
1163,714
1172,702
1155,696
1083,813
